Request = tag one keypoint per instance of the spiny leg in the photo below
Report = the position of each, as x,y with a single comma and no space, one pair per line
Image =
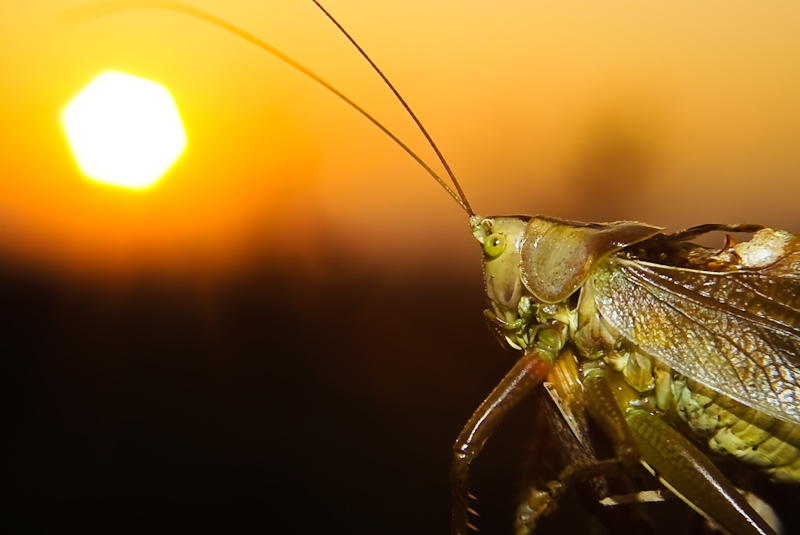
528,372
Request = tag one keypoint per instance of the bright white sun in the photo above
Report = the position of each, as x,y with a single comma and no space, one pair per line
124,130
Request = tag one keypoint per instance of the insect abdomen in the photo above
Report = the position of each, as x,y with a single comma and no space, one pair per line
734,429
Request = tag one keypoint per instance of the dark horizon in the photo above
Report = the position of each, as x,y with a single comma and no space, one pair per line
246,404
263,399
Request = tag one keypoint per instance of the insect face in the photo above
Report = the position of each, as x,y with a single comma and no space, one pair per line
501,239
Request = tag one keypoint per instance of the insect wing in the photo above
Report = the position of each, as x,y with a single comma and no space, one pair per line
737,331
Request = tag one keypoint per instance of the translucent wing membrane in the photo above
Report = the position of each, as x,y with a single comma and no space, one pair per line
734,328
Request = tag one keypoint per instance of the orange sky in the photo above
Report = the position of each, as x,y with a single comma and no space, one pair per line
675,114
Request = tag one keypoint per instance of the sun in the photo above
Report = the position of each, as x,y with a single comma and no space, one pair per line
124,130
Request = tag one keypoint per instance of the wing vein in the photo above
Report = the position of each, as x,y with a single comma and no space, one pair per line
709,329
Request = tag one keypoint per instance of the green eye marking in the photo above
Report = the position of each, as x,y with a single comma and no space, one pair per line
494,245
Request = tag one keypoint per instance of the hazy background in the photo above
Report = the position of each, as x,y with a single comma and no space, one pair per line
288,326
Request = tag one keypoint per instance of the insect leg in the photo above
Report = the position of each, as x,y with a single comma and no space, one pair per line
601,404
529,371
689,474
603,407
563,404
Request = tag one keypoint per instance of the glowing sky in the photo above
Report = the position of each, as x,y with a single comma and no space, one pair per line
677,114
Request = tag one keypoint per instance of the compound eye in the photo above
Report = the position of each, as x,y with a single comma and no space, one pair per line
494,245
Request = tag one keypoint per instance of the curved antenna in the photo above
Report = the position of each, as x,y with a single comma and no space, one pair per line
413,115
107,8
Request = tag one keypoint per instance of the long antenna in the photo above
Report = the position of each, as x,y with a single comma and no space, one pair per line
405,105
116,7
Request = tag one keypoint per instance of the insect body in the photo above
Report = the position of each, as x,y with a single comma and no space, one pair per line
713,336
682,332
